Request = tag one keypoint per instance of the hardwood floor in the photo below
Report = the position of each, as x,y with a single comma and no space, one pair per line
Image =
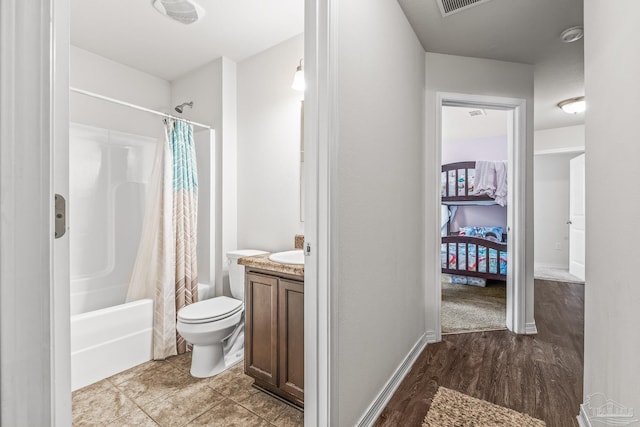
540,375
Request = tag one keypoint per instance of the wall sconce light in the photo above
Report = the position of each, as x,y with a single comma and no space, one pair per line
573,105
298,78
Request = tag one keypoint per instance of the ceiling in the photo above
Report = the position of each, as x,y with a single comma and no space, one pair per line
132,32
458,124
524,31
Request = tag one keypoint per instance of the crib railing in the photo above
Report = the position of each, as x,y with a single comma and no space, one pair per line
457,183
473,256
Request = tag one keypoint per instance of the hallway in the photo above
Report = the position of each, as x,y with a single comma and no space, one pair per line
540,375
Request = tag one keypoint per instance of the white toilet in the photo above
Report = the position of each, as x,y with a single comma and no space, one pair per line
206,324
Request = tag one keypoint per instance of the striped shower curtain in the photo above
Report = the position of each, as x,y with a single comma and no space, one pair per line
166,267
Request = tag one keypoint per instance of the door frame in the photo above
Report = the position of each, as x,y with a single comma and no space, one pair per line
516,177
320,141
47,44
34,317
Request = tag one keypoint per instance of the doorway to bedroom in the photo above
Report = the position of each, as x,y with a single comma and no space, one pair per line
474,193
519,198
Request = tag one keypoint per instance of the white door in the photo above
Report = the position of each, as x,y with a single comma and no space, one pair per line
576,217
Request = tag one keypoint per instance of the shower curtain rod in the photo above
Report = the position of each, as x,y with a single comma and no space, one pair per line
137,107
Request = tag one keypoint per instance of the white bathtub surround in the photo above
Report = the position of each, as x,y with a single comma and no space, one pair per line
109,173
110,340
166,267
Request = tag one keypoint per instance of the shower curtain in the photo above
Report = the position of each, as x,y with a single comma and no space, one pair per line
166,267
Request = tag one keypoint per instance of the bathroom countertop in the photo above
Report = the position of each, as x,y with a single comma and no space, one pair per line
263,262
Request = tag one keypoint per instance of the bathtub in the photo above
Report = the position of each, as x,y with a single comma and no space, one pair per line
110,340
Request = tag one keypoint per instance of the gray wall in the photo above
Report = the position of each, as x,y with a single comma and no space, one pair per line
551,209
379,304
612,296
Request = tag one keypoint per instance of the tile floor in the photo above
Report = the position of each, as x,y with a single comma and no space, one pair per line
162,393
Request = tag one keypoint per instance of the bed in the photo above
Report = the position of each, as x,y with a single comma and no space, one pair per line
473,252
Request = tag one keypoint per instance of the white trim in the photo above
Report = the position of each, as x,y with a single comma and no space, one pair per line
516,273
583,418
565,150
431,337
27,322
537,265
320,136
60,301
377,406
530,328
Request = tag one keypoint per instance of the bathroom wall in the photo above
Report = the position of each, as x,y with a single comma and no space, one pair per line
457,74
98,74
269,148
379,213
488,148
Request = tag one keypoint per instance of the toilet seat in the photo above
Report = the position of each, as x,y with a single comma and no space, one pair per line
210,310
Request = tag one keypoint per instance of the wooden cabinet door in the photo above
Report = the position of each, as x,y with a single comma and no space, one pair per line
261,327
291,337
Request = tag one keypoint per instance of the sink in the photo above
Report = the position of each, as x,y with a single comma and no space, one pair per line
288,257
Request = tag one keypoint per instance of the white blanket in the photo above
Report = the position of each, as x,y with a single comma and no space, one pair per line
491,180
501,183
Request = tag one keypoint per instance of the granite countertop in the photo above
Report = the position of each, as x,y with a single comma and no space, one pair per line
264,263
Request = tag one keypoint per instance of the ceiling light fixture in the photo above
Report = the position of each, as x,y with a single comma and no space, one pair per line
572,34
573,105
183,11
298,78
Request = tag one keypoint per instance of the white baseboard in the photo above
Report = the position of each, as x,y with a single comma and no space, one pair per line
530,328
540,265
431,337
375,409
583,418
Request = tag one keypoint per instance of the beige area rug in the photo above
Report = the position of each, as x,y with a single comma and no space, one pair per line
452,409
467,308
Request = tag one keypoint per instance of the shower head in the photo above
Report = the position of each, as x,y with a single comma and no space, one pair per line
180,108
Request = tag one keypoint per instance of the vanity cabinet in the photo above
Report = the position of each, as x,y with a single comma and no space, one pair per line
274,333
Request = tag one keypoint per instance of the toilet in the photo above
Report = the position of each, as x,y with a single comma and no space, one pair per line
207,324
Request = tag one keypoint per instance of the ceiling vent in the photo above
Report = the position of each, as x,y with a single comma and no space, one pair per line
449,7
476,113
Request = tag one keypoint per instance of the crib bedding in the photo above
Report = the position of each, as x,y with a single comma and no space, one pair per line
456,187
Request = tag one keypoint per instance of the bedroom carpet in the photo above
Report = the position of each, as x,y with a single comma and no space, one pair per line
453,409
468,308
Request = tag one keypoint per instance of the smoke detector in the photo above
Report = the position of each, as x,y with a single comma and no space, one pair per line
572,34
183,11
449,7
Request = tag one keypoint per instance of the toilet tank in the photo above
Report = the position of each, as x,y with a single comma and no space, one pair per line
236,271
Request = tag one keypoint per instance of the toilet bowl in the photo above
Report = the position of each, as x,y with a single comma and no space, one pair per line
207,324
